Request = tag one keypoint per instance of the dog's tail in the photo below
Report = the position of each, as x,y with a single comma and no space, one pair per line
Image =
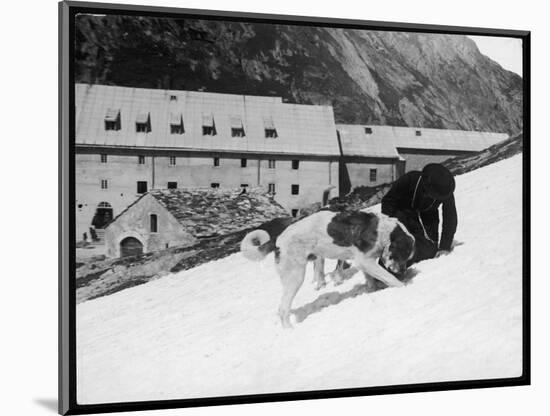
326,194
256,245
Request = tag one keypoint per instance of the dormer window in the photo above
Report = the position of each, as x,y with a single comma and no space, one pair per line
368,130
237,128
269,128
208,125
176,123
112,119
418,133
143,122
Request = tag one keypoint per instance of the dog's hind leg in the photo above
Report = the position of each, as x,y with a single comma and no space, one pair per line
292,277
319,273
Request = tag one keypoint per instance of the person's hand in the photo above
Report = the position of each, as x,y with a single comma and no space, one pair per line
442,253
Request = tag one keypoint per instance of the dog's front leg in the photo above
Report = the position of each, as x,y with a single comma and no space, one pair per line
339,275
319,273
372,268
370,282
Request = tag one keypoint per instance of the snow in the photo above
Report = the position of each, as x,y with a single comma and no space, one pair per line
213,330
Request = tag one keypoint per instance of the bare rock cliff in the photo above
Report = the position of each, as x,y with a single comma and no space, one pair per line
398,78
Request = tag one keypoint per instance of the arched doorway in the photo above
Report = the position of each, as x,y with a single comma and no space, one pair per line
130,246
103,215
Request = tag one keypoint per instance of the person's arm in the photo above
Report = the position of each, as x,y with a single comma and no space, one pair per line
430,220
399,190
449,225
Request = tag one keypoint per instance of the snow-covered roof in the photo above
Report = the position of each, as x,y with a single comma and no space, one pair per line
300,129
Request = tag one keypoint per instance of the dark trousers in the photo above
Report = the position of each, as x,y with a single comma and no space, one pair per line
425,247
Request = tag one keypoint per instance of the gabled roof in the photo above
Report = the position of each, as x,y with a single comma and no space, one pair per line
356,142
301,129
204,212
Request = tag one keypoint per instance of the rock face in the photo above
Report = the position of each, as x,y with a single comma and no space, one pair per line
395,78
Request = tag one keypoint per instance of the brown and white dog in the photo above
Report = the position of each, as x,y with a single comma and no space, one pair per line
361,236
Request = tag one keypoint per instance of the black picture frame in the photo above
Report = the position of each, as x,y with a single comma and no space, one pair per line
67,291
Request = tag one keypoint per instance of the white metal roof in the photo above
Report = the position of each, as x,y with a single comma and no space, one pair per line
301,129
356,142
382,139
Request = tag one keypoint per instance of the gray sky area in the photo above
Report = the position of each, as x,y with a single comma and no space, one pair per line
505,51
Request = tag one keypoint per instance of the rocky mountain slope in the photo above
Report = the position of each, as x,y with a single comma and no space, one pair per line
397,78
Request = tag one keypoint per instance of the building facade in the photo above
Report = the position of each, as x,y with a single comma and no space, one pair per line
373,155
132,140
366,159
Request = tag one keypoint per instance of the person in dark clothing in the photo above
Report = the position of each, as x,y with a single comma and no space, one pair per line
414,200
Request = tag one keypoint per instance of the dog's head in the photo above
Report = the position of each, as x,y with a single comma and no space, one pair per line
400,250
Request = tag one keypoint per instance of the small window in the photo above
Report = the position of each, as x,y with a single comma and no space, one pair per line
269,128
237,128
215,185
243,163
271,163
141,187
208,125
154,223
176,123
172,161
216,161
372,175
176,129
270,134
112,119
294,213
173,98
103,158
237,132
104,184
368,130
271,188
208,131
418,133
143,123
172,185
141,160
295,189
295,164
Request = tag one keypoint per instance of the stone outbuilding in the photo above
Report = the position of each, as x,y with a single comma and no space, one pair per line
164,218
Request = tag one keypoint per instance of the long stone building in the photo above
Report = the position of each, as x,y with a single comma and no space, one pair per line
132,140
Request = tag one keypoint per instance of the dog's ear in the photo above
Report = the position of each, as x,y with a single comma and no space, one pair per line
401,244
354,228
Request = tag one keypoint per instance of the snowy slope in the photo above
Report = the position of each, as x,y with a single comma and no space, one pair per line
213,330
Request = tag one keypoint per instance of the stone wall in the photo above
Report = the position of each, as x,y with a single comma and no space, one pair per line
359,173
135,222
